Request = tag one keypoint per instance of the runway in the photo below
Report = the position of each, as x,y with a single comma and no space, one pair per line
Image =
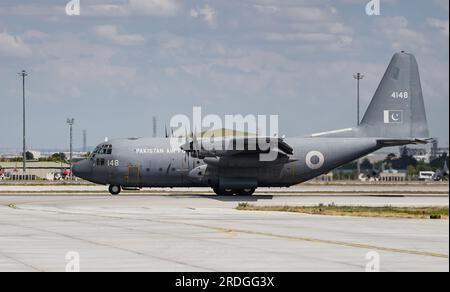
198,232
407,188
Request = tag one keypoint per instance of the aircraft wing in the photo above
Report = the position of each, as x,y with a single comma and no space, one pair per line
231,146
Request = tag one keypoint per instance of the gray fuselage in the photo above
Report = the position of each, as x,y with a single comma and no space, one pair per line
146,162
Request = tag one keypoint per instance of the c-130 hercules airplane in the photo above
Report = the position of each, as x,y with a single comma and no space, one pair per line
396,116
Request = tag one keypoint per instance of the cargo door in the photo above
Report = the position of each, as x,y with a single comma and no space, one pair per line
134,174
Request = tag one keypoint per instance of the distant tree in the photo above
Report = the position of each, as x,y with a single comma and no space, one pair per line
29,155
401,162
404,151
411,171
378,165
366,164
422,166
440,161
388,160
349,166
58,157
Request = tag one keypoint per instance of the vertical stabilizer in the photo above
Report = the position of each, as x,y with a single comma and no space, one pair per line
397,109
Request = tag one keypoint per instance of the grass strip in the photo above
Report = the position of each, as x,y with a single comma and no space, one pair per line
356,211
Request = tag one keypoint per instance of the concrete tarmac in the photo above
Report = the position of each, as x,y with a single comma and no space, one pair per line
162,232
422,188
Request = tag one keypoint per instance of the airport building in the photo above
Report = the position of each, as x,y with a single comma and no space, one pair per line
35,170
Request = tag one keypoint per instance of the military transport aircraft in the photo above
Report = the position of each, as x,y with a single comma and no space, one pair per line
396,116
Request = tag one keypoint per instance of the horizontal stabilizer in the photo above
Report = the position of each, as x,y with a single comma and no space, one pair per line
400,142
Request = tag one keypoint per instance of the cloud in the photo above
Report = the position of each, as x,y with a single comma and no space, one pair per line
35,35
402,37
208,14
441,25
73,68
28,9
13,46
97,8
299,13
155,7
111,32
304,26
134,7
323,40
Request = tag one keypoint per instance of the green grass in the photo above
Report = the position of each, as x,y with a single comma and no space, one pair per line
357,211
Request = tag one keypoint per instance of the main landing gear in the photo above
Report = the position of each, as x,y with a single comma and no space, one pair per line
231,192
114,190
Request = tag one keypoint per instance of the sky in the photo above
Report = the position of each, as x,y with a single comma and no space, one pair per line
121,62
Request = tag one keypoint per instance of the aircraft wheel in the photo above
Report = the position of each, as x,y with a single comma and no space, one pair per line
114,190
223,192
245,192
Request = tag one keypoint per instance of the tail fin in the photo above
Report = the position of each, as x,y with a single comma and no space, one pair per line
397,109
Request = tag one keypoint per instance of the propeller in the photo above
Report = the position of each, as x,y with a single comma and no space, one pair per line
187,145
195,145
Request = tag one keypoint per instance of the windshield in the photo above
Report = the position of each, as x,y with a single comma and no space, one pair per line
103,149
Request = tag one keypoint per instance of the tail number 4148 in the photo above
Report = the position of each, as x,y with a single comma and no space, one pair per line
400,95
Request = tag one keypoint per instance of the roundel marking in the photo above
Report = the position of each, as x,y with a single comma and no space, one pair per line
315,159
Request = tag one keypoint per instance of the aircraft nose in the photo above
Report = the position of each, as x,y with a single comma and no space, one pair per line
82,168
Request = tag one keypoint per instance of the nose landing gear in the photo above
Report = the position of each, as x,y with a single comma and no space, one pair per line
114,190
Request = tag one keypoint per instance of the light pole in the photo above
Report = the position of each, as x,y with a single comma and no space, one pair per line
70,122
358,76
24,154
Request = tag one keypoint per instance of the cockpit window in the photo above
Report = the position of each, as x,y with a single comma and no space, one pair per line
103,149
